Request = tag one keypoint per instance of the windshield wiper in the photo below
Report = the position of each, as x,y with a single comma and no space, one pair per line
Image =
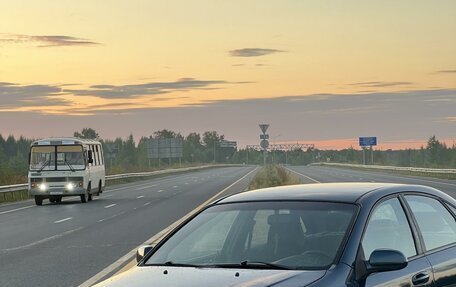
44,165
252,265
69,165
171,263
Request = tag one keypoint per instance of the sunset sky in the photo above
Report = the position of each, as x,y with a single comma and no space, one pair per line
322,72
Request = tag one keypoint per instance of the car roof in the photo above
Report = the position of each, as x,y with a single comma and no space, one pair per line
337,192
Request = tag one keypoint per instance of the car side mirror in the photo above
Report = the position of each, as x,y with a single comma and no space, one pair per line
142,251
89,157
382,260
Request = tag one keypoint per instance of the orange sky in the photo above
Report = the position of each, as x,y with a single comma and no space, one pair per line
79,59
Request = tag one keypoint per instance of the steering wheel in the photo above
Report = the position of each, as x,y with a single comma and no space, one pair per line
307,258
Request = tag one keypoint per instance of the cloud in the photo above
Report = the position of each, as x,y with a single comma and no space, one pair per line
147,89
253,52
446,72
14,95
46,40
377,84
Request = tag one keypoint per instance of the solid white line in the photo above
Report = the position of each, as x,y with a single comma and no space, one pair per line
161,190
111,205
141,196
154,238
62,220
303,175
16,209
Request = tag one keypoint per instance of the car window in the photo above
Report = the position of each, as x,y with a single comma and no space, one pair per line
453,209
388,228
207,239
295,234
437,225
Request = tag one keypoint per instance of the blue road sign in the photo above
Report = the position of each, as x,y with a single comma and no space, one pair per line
367,141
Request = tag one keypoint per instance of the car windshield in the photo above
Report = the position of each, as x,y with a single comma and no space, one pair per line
70,157
295,235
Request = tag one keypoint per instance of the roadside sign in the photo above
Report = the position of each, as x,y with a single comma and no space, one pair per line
367,141
264,127
264,137
264,144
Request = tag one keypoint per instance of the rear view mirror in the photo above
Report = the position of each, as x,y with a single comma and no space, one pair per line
382,260
142,251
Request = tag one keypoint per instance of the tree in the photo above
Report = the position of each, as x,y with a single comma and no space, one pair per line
87,133
211,140
166,134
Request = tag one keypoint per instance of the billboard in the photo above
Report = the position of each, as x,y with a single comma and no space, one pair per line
165,148
367,141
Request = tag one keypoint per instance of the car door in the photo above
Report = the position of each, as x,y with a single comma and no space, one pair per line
437,228
388,227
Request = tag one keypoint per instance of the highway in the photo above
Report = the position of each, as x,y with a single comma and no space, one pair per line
71,243
322,174
67,244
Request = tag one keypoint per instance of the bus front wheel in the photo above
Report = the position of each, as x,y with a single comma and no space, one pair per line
38,200
87,195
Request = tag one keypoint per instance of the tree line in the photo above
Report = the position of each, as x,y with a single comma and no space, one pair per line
125,155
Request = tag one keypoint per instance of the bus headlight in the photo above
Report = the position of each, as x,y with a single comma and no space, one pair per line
70,186
42,187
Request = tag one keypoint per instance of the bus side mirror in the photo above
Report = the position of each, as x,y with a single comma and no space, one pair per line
30,157
90,157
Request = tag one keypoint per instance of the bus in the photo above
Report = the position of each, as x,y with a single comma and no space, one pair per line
61,167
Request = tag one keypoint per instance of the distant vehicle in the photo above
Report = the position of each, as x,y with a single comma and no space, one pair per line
344,234
61,167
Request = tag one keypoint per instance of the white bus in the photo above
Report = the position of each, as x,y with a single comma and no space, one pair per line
65,167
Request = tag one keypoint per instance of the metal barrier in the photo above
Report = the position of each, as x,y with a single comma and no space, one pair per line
24,186
398,168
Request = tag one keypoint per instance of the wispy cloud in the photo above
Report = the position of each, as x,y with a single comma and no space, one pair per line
377,84
147,89
46,40
14,95
253,52
445,72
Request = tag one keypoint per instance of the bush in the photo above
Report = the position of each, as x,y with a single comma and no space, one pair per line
273,175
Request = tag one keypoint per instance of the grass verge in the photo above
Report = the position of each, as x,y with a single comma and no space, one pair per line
273,175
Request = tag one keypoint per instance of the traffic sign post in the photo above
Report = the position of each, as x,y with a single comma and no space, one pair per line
367,142
264,140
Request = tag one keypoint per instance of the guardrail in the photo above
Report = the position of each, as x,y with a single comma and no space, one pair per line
397,168
24,186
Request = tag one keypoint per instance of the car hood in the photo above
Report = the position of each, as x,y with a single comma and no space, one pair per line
220,277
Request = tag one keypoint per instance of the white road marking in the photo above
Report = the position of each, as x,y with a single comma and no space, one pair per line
62,220
303,175
145,187
147,203
141,196
161,190
175,186
16,209
111,205
129,256
42,240
186,183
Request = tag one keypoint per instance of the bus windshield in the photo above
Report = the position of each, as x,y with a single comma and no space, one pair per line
68,157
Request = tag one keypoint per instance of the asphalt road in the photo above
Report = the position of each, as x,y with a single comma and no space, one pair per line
315,174
66,244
